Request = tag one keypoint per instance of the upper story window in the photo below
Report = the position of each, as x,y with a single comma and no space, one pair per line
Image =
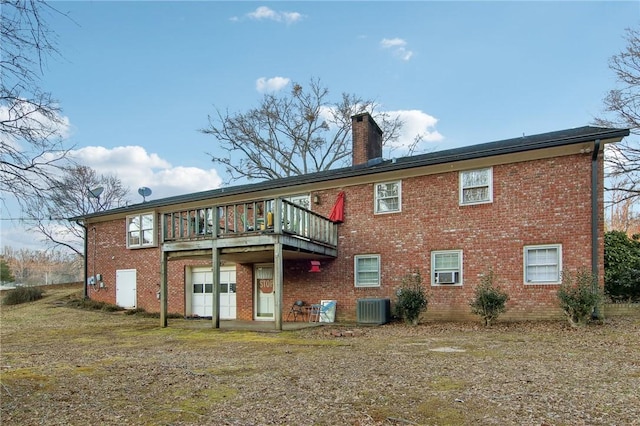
388,197
476,186
367,270
446,267
141,230
543,264
301,200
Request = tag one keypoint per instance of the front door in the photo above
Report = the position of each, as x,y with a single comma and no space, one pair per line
265,295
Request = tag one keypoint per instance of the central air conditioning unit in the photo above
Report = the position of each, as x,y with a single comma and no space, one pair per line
373,311
446,277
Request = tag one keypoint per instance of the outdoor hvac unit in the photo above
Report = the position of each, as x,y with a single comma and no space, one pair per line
373,311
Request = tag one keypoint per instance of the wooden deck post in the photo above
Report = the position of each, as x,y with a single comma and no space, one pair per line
215,306
277,284
164,293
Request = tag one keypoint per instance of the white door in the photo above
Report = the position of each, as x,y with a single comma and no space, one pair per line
202,292
228,292
126,288
265,295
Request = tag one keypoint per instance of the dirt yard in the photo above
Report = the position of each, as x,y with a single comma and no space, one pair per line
64,366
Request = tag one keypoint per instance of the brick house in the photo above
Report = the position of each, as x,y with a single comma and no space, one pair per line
527,208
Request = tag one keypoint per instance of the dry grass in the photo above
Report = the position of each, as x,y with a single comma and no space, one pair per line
64,366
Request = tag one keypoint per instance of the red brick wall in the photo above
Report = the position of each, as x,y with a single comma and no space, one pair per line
536,202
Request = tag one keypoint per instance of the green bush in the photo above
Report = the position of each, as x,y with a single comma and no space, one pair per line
412,298
622,266
579,295
490,301
22,295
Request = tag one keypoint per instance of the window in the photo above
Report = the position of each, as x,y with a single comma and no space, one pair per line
476,186
446,267
388,197
141,230
301,200
367,270
543,264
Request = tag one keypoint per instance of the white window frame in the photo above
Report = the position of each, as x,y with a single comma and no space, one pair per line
458,272
557,263
376,208
356,272
463,188
302,200
153,229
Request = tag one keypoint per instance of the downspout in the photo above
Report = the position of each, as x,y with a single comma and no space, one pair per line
595,222
85,290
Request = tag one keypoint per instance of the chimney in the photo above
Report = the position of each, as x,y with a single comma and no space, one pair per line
367,139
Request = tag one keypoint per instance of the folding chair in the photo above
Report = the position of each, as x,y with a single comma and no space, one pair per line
320,312
296,309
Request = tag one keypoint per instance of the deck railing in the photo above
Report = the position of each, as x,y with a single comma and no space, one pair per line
276,216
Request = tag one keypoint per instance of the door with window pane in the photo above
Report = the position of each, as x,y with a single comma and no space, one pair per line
228,293
265,294
202,292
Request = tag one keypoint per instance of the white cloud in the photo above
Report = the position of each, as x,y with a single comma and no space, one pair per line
273,84
398,47
25,114
264,13
416,124
135,167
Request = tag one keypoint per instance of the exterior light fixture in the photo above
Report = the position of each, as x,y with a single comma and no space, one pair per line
315,266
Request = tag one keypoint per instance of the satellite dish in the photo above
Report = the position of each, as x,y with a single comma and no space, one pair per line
96,192
145,192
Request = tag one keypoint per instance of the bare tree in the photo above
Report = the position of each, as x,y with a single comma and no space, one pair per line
622,106
31,147
293,134
622,216
38,267
73,195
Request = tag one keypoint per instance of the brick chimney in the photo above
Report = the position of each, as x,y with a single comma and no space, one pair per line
367,139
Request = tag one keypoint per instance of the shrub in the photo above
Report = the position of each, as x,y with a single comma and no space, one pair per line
22,295
490,301
622,266
96,305
579,295
412,298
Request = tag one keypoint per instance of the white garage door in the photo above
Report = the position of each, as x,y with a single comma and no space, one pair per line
202,292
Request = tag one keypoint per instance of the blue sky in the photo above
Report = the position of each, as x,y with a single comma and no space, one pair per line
136,80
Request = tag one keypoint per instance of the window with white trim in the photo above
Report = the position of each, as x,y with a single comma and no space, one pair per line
446,267
543,264
367,270
476,186
141,230
303,200
388,197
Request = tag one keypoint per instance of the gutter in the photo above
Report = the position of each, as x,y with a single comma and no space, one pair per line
85,290
594,221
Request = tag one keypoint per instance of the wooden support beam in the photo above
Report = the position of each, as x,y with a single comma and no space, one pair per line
164,290
277,284
215,303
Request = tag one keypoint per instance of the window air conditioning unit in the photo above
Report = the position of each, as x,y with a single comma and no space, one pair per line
373,311
446,277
